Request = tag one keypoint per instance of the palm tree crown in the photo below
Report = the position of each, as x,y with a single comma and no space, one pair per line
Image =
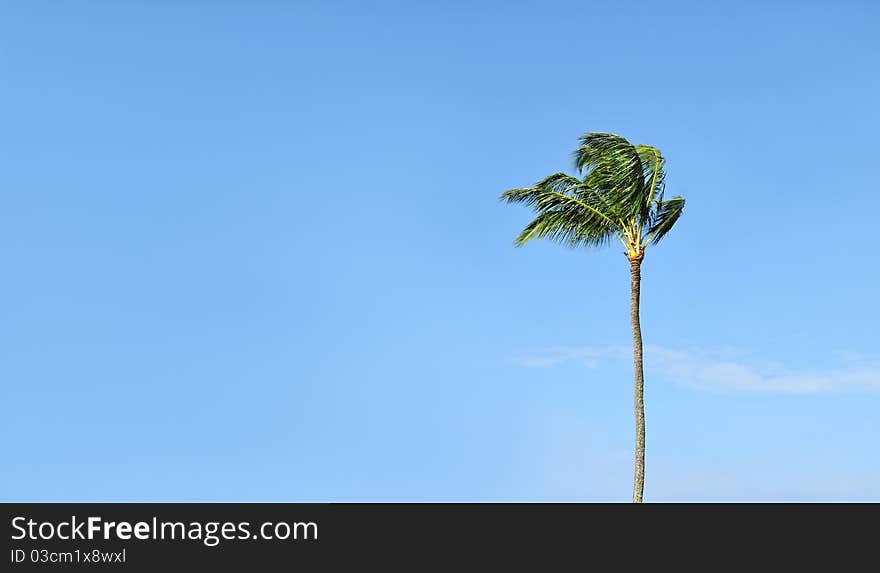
619,195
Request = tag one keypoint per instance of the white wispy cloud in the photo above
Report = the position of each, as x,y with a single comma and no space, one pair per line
721,371
586,355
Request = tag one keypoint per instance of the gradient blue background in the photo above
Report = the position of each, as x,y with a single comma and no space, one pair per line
253,250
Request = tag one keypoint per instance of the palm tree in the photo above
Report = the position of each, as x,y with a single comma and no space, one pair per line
619,195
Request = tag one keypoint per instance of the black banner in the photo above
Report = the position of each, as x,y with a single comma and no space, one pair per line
268,537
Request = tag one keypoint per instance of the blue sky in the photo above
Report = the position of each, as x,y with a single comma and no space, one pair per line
253,251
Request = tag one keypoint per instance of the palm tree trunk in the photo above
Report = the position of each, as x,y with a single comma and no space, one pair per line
639,402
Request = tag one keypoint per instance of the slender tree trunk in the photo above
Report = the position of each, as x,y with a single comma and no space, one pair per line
639,394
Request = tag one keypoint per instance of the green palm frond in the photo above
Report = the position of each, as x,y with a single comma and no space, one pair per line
559,182
566,227
667,213
653,172
586,221
612,166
